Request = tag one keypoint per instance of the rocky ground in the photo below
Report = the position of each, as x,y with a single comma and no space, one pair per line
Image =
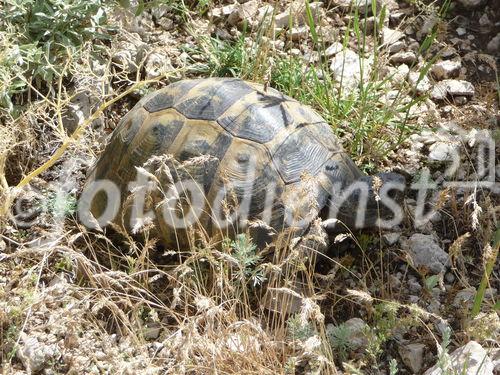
397,301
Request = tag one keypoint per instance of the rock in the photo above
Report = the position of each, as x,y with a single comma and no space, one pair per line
298,33
152,331
396,17
222,12
414,299
461,31
265,13
413,356
157,63
495,356
78,110
396,47
395,282
424,251
390,5
449,277
493,46
130,53
427,26
36,355
166,24
471,357
363,7
484,20
334,48
446,69
420,85
243,13
452,87
408,58
390,36
471,3
466,296
414,287
346,67
444,151
460,100
391,238
357,336
296,14
448,52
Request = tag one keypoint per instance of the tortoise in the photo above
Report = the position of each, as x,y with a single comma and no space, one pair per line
280,158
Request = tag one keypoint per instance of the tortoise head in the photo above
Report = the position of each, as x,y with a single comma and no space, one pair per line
369,202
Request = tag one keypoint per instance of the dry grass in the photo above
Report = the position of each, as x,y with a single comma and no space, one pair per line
116,302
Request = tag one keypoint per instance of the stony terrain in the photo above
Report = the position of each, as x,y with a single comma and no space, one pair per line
415,90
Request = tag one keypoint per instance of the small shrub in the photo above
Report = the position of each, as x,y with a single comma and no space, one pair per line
38,36
297,329
338,336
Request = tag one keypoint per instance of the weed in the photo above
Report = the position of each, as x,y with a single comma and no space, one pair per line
443,356
39,37
393,367
245,253
297,329
338,337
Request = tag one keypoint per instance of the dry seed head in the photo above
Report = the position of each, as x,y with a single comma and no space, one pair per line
376,185
310,310
362,296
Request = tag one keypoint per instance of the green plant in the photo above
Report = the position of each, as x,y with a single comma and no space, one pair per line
443,356
491,255
338,336
393,367
297,329
431,282
245,253
61,205
39,36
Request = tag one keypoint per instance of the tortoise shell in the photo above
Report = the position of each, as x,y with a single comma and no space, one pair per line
236,125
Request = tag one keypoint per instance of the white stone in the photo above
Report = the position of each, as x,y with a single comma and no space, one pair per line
420,85
390,36
424,251
296,14
334,48
396,47
244,12
407,57
36,355
156,64
362,6
297,33
357,336
446,69
347,67
464,297
444,151
391,238
452,87
413,356
129,53
427,26
470,359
